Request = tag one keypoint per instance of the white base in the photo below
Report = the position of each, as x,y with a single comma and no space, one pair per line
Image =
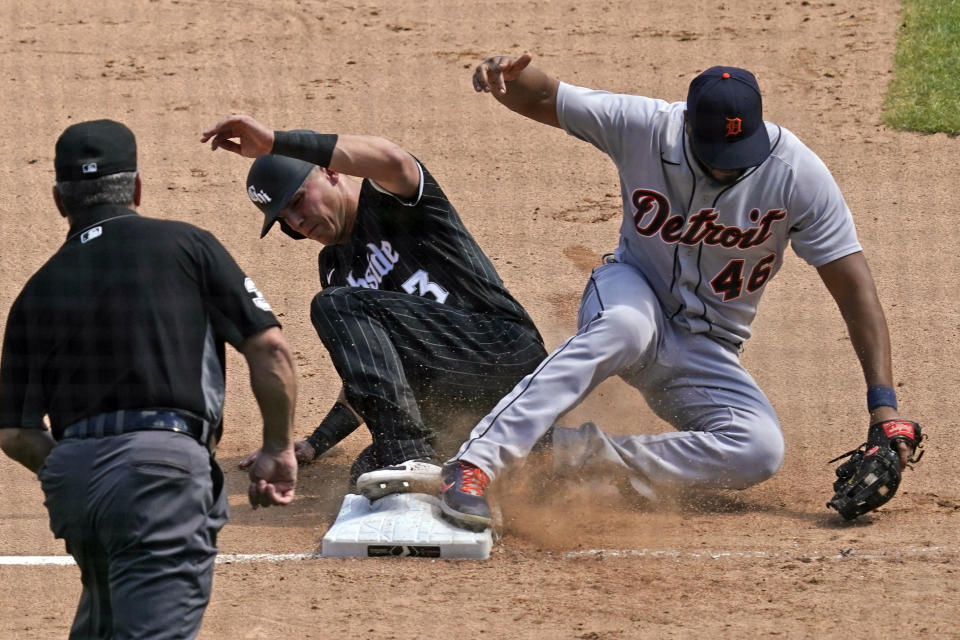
400,524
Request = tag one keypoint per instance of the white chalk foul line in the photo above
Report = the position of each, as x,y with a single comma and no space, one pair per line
223,558
803,556
798,555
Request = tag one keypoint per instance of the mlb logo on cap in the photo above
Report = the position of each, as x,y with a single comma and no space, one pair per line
90,150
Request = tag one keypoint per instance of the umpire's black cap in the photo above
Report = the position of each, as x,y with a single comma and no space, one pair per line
93,149
725,112
271,182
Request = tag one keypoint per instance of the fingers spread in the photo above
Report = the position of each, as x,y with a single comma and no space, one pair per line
480,80
501,82
221,127
222,142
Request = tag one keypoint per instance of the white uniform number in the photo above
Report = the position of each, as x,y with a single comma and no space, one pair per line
419,284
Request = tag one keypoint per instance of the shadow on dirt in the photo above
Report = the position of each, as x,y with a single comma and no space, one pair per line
320,490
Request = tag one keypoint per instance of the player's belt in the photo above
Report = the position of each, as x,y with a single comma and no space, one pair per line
118,422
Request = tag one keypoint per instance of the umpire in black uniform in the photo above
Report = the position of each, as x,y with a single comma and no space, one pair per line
118,342
416,319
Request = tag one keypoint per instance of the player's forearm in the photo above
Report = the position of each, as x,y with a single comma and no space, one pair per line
378,159
853,289
273,381
533,94
29,447
355,155
871,341
339,422
369,157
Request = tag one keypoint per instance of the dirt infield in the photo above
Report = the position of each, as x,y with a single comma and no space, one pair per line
770,561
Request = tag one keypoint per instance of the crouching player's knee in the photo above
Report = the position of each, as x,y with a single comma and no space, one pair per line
758,457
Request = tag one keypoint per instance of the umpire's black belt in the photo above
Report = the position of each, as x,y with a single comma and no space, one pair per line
118,422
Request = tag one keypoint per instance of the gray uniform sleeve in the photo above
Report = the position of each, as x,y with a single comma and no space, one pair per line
616,124
822,228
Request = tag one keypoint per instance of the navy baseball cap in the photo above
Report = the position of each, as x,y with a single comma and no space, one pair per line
90,150
271,182
725,112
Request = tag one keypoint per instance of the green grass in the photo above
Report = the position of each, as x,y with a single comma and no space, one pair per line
925,92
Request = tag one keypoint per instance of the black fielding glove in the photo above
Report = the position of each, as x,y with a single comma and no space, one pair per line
870,478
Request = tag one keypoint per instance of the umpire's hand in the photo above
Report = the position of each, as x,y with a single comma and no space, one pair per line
273,477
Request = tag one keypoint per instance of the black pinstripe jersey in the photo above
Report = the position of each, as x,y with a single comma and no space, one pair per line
420,247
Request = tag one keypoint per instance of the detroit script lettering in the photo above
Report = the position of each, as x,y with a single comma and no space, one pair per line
653,216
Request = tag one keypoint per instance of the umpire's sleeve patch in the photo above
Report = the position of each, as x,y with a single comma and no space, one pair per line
258,298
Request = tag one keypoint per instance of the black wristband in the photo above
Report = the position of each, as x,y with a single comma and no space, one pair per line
308,146
337,425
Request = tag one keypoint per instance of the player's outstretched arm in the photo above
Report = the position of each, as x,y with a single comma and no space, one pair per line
273,472
339,423
851,285
379,159
519,87
302,451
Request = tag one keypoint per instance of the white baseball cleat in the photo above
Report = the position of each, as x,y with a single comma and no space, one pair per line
412,476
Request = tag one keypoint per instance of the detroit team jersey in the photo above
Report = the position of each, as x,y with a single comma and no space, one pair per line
708,250
420,247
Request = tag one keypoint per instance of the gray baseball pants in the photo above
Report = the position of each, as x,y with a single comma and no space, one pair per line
728,435
140,514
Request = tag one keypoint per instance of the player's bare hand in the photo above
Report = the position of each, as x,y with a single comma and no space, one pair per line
302,450
249,460
305,452
903,449
904,452
273,477
253,139
494,73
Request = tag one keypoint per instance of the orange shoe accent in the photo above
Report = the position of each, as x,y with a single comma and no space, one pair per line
475,481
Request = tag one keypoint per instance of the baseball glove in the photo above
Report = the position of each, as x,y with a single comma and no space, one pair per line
871,476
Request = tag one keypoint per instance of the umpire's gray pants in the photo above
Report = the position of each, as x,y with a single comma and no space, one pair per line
140,514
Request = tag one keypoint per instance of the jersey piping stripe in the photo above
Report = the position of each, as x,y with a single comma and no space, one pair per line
703,314
676,248
751,171
665,161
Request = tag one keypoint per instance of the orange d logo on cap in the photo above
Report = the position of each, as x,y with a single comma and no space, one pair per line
734,127
725,114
